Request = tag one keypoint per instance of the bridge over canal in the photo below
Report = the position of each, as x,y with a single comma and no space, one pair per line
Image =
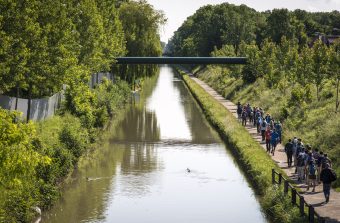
182,60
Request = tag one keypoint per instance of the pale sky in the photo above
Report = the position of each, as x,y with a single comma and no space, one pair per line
177,11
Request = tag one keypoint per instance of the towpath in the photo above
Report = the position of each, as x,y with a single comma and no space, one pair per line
331,210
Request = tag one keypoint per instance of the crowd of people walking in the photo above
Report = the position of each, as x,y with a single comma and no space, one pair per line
311,165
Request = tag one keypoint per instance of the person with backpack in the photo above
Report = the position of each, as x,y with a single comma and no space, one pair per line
311,174
268,137
319,162
301,165
278,128
295,150
268,118
263,129
327,176
244,116
239,110
274,138
289,152
255,117
259,122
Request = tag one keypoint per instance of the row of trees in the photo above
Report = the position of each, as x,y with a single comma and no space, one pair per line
46,43
288,64
226,24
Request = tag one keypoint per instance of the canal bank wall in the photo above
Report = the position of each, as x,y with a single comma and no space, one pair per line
251,156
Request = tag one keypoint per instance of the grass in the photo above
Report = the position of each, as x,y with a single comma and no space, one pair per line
310,119
254,160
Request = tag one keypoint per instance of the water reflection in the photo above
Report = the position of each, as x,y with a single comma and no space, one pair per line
139,174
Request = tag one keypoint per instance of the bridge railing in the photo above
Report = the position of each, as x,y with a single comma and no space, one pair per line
296,198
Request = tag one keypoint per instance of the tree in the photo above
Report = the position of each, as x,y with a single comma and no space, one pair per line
304,66
268,68
250,71
334,70
320,57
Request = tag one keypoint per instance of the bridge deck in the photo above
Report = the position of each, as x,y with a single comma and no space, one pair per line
181,60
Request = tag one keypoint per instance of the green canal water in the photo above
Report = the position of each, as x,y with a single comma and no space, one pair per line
140,173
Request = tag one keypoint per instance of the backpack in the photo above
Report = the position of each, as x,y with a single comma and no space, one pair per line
239,110
312,169
263,124
300,160
333,176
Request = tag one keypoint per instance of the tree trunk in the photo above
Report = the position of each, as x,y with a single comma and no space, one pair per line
337,103
317,92
29,102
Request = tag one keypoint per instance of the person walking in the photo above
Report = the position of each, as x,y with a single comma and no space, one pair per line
278,128
289,152
301,165
319,164
268,137
311,175
327,176
239,111
295,151
244,117
263,129
274,138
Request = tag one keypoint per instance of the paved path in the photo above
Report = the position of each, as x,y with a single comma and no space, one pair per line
331,210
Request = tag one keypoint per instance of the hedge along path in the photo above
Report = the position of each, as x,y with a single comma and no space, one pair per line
260,168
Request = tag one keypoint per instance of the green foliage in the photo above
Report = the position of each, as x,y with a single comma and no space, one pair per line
279,208
18,162
227,24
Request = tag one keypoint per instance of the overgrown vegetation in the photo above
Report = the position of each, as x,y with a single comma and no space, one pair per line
36,157
253,158
45,44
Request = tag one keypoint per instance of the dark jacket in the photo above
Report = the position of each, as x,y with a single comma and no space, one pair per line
289,148
326,176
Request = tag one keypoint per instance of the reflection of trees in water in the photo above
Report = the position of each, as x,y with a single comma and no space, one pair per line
201,131
140,158
139,125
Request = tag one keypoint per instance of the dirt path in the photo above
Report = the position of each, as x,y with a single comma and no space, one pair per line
330,210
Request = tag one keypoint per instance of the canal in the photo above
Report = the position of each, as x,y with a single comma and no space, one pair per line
162,162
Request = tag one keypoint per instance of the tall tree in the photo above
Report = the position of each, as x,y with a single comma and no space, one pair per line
320,66
334,70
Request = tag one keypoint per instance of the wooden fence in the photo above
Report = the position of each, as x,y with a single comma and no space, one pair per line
297,198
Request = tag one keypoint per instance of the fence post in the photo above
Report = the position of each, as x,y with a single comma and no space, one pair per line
321,219
310,214
280,178
293,196
302,205
285,190
273,176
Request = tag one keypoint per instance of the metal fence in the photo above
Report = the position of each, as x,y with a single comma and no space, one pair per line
43,108
297,198
40,109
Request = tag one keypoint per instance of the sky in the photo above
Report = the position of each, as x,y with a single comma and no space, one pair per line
176,11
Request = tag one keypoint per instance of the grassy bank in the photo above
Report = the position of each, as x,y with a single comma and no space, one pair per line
310,119
254,160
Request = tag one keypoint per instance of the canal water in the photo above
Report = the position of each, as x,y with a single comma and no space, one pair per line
162,162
